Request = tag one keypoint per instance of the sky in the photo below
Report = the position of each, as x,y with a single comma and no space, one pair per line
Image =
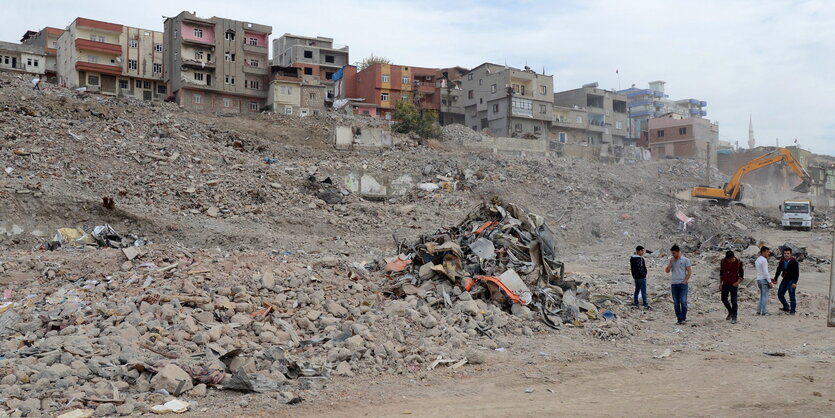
765,59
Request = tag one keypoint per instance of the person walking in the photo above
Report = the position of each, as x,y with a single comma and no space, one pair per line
763,280
36,83
731,274
790,269
680,270
639,273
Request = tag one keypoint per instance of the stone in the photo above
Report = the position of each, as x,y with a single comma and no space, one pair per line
397,308
476,357
344,369
125,409
31,404
465,296
467,307
520,310
268,280
335,309
313,315
354,343
106,410
241,318
171,377
198,391
212,211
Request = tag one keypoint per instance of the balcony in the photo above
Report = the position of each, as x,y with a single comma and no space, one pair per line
693,101
95,46
199,42
658,93
658,103
640,113
258,49
192,63
98,68
249,69
694,111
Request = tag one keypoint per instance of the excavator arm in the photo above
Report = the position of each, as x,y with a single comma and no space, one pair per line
733,187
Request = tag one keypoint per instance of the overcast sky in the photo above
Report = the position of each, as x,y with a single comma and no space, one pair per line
770,59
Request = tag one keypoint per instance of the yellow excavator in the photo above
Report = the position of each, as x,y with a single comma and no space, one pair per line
732,191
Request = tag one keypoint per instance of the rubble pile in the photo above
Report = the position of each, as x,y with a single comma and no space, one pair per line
458,134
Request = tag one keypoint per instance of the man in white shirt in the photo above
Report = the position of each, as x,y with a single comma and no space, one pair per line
763,280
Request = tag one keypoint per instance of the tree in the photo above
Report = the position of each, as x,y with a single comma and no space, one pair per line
371,60
410,119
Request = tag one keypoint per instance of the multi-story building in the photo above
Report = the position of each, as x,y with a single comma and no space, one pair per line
22,58
112,59
315,56
604,119
674,136
216,64
645,104
291,93
382,85
506,101
46,39
449,85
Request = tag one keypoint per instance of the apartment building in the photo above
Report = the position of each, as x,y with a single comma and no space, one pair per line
674,136
506,101
590,115
317,57
47,40
381,86
110,58
449,85
645,104
22,58
216,64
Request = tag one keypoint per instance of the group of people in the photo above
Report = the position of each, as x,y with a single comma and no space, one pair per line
731,275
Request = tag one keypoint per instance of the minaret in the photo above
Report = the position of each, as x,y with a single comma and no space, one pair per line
751,142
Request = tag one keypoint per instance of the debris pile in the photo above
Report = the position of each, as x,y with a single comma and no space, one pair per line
459,134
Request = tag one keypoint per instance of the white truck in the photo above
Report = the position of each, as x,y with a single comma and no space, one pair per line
797,214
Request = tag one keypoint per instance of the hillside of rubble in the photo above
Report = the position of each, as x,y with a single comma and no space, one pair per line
149,255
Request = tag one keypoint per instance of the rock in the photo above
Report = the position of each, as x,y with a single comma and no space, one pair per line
313,315
354,343
172,378
344,369
465,296
241,318
32,405
268,280
520,311
212,211
106,410
397,308
125,408
198,391
475,357
335,309
467,306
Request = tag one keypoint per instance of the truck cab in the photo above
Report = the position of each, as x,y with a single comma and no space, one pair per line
797,214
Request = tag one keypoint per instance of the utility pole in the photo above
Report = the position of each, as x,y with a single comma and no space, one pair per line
831,316
509,107
448,99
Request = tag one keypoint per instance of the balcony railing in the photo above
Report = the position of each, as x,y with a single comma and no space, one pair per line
193,63
88,45
98,68
261,49
255,70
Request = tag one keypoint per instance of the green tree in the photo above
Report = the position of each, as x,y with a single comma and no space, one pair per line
369,61
410,119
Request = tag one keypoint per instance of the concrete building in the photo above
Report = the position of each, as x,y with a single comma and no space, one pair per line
216,64
46,39
22,58
645,104
291,93
674,136
508,102
591,116
111,59
316,56
382,85
449,85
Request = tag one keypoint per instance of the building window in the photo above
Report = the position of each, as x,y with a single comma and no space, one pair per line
312,96
543,109
158,47
308,71
230,80
197,99
227,102
329,59
198,33
133,43
209,56
123,84
517,127
562,137
537,128
93,80
385,78
469,94
253,106
252,41
579,119
288,110
308,54
660,133
384,97
198,55
132,64
252,84
29,61
229,57
543,89
147,33
493,88
161,89
92,59
469,76
618,125
682,131
329,75
254,63
480,100
198,76
157,68
405,80
146,85
495,108
35,63
230,35
101,38
138,84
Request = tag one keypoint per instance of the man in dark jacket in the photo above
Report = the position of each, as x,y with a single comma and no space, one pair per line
639,273
790,269
731,274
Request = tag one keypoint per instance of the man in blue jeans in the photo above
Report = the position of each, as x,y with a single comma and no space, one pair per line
790,269
681,269
639,274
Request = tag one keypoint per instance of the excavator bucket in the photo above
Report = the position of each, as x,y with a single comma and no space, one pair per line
802,187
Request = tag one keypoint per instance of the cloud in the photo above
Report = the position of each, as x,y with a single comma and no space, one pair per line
770,59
